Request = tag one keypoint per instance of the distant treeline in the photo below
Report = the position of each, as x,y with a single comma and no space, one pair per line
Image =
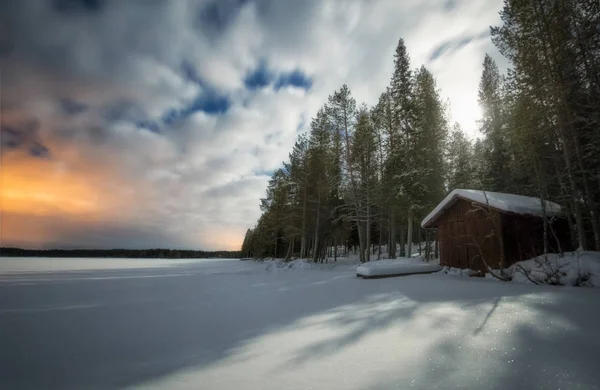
133,253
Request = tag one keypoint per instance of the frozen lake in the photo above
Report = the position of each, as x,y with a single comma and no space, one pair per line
227,324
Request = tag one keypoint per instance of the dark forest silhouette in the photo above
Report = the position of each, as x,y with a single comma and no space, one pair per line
129,253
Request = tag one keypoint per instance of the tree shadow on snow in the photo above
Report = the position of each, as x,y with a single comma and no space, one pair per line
545,340
140,330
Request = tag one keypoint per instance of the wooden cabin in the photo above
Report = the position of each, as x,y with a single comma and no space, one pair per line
475,228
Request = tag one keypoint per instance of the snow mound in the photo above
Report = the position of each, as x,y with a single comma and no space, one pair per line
511,203
457,271
276,265
403,266
579,268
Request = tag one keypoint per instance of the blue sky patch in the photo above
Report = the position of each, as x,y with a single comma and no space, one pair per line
455,44
260,77
439,50
211,103
208,101
148,125
295,79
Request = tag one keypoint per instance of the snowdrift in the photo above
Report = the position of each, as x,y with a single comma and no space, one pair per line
579,268
396,267
278,265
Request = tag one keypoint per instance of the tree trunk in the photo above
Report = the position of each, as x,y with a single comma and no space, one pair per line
380,243
381,194
402,241
361,245
316,242
566,119
589,196
368,227
335,247
562,112
303,238
542,192
289,251
409,235
565,193
392,244
420,238
427,244
361,239
575,192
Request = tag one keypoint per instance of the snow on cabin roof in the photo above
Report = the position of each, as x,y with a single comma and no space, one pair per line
510,203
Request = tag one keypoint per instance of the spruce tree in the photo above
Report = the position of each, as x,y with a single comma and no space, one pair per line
492,125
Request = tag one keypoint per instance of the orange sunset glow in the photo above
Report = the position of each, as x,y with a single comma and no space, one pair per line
31,187
39,197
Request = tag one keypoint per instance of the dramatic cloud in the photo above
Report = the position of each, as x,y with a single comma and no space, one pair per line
156,123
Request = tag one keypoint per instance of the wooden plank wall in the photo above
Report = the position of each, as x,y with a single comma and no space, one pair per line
465,236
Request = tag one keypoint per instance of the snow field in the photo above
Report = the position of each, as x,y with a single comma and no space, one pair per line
235,324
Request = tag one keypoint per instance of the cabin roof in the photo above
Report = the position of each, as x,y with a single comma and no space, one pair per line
508,203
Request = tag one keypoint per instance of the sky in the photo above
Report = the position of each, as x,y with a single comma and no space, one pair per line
143,124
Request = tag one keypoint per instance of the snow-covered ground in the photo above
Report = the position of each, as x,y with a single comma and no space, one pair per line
53,264
223,324
280,265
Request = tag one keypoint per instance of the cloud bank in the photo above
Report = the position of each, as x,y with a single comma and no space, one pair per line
136,124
